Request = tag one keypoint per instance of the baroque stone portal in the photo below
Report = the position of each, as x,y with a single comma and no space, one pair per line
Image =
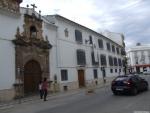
32,53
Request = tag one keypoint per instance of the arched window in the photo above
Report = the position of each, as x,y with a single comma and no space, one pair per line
33,32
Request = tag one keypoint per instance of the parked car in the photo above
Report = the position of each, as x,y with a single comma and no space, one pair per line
146,72
128,84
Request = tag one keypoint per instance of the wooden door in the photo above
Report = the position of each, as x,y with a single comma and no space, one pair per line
32,76
81,78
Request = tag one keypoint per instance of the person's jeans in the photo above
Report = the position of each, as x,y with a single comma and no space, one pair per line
41,93
45,94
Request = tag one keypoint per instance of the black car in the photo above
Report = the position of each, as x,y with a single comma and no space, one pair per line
128,84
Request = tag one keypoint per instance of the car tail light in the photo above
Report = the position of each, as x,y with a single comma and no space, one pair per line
127,82
113,82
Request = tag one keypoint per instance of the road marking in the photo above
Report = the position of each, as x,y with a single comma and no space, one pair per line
141,112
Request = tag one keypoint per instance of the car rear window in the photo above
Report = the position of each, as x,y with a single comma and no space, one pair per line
122,78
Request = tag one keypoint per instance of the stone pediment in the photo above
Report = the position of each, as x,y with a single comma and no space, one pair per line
32,34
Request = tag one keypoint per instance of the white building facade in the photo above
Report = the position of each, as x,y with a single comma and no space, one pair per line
85,56
139,59
68,54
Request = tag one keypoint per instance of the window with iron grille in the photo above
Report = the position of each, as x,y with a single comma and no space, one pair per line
100,43
110,61
78,36
90,39
81,59
113,48
116,70
123,63
111,70
119,70
119,62
123,52
64,75
108,46
93,59
115,61
117,49
103,60
95,73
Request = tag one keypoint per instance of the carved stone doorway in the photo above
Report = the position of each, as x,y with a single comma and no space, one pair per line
32,76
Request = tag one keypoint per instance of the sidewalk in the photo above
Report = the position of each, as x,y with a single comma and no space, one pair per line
34,99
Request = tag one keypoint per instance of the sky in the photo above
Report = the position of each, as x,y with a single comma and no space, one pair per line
130,17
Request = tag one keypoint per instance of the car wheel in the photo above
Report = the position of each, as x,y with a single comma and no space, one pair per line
115,93
134,91
146,88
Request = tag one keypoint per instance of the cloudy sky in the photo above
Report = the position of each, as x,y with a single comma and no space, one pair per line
130,17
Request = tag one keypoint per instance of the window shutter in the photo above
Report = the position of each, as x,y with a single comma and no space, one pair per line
78,36
81,59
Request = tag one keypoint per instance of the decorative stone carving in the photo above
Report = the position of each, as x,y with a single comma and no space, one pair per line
30,46
11,5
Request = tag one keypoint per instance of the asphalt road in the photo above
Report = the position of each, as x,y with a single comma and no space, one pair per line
102,101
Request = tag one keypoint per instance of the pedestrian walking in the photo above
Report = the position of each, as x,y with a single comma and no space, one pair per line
40,89
45,88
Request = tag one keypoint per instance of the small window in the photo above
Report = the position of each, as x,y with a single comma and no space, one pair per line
95,74
116,70
111,70
66,32
33,32
65,88
64,75
119,70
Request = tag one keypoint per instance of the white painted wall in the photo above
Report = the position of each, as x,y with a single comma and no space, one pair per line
50,31
8,25
7,64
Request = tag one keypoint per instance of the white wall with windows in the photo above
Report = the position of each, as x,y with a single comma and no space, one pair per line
139,58
72,37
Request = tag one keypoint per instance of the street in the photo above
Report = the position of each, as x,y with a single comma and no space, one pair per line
102,101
